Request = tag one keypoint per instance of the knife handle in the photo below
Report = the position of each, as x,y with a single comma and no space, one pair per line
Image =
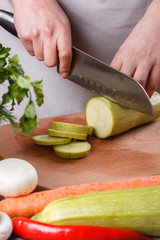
7,22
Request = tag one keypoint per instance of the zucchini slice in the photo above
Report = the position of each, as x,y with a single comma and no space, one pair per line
49,141
73,150
57,133
70,127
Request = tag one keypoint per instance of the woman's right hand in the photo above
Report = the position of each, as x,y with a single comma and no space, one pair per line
45,31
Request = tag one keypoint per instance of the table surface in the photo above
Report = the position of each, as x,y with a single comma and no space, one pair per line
133,154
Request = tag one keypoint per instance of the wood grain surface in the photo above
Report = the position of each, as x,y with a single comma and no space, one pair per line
133,154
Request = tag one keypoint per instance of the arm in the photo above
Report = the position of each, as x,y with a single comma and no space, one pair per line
45,32
139,55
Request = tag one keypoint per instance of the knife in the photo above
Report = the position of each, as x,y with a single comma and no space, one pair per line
98,77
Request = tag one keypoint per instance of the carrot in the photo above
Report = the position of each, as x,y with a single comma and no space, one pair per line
33,203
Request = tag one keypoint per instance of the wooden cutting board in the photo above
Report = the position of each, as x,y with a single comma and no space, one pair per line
133,154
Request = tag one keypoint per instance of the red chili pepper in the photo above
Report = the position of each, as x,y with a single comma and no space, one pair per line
34,230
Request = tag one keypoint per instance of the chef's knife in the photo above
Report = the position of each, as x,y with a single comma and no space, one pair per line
99,77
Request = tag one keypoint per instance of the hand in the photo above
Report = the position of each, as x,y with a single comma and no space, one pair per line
139,55
45,32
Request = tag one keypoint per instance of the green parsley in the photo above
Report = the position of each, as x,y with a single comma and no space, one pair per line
19,87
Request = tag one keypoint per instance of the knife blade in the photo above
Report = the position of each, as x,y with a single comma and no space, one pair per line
106,81
98,77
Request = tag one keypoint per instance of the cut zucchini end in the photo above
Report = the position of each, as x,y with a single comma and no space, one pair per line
99,116
50,141
73,150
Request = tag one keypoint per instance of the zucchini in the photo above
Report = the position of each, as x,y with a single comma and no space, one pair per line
109,118
37,217
50,141
57,133
73,150
71,127
132,209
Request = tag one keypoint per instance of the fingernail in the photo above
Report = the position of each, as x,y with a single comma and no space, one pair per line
65,75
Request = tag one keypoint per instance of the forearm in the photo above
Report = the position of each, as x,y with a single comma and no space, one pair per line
16,2
35,5
153,11
13,2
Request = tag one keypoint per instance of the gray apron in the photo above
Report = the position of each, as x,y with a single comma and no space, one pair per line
99,27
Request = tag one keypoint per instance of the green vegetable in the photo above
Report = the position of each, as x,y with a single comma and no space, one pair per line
57,133
109,118
73,150
70,127
49,141
19,87
132,209
37,217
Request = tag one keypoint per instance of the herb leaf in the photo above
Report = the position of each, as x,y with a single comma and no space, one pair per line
27,124
19,87
24,82
30,111
37,86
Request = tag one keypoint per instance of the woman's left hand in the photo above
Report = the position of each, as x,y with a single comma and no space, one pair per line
139,55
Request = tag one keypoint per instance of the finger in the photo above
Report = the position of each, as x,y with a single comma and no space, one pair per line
65,55
128,69
25,38
38,49
50,53
116,63
49,47
28,44
38,45
153,80
141,74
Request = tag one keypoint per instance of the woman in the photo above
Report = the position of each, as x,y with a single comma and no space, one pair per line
122,33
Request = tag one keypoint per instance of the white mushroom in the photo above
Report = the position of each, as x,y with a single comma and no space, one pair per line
6,226
17,177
